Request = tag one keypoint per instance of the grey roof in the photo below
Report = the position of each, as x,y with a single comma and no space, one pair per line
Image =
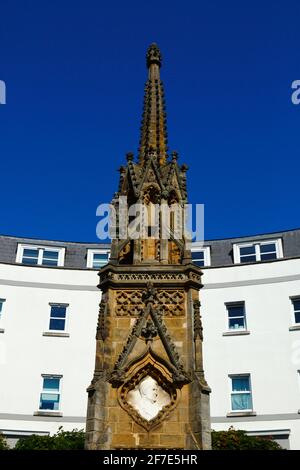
221,250
75,252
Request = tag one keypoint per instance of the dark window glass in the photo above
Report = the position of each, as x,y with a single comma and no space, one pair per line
236,316
296,304
58,312
267,256
57,318
197,255
100,259
267,248
247,250
50,258
30,256
56,324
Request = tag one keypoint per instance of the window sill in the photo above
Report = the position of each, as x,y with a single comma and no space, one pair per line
48,413
237,414
294,327
2,330
56,333
236,333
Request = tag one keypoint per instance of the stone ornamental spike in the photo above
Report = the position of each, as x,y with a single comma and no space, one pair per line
154,128
149,389
153,55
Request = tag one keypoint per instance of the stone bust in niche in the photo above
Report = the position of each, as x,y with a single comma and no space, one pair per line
148,398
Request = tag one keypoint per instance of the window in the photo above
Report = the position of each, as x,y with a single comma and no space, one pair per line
260,251
50,396
201,257
296,307
96,259
236,316
38,255
1,307
58,317
241,396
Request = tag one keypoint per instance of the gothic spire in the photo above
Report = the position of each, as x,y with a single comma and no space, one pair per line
153,129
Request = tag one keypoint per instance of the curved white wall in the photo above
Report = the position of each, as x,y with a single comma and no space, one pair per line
270,353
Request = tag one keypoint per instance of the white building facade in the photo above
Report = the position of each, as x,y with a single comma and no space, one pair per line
250,306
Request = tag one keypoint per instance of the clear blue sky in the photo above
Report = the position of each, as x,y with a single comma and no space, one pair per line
75,73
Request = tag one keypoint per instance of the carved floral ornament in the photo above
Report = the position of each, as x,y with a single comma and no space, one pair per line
148,393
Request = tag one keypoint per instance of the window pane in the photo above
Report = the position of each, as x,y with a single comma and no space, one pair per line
197,254
29,260
297,317
49,401
240,384
1,304
58,312
235,311
57,324
268,247
241,401
266,256
51,383
50,254
199,262
99,264
247,250
50,258
100,256
30,252
236,323
296,304
49,262
100,259
247,259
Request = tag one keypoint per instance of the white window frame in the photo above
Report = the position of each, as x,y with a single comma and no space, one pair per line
58,304
206,251
2,301
51,376
257,245
292,299
92,252
234,304
236,376
41,249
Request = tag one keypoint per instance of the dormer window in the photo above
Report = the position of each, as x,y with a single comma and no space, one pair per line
96,259
201,256
40,255
257,251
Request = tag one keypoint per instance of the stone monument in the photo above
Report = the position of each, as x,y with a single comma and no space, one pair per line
149,389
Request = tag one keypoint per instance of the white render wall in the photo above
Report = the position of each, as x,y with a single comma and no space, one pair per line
270,353
25,353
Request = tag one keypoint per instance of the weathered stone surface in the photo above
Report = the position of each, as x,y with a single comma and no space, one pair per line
149,320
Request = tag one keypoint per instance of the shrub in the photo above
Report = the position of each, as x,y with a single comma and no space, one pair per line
238,440
3,443
62,440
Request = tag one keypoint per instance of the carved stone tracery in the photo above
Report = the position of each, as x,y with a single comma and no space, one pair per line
171,302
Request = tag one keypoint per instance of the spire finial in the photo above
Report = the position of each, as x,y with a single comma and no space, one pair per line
154,121
153,55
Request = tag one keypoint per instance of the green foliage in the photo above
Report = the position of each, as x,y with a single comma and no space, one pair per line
62,440
3,444
238,440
